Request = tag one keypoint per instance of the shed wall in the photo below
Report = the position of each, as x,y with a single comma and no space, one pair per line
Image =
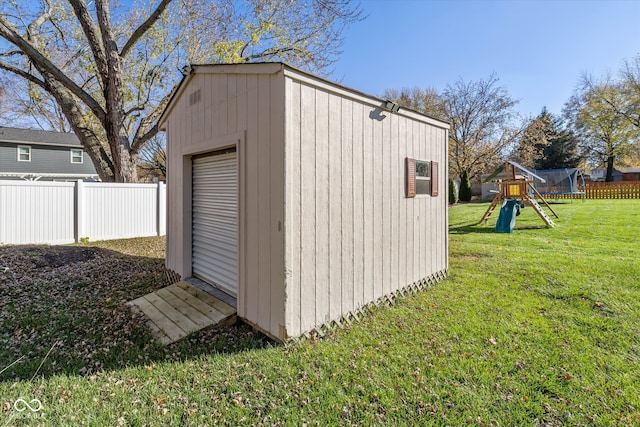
351,234
246,110
324,224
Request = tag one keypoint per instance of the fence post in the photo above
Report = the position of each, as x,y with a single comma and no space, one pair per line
79,210
158,184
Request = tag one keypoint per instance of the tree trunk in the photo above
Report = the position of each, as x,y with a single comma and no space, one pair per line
128,168
125,168
609,177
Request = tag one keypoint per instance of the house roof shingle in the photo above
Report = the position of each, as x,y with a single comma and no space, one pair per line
41,137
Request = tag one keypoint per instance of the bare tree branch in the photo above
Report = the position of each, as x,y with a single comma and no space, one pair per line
37,23
45,65
148,127
144,27
11,53
25,75
90,140
86,22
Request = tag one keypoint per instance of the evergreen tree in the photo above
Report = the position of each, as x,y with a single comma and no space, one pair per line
562,151
547,144
465,187
453,193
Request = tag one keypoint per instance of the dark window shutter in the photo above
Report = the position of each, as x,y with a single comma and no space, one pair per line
434,179
411,177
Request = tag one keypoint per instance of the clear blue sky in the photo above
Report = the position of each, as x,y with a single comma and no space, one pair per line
537,48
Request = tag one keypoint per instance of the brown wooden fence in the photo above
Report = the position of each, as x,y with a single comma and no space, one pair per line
552,196
613,190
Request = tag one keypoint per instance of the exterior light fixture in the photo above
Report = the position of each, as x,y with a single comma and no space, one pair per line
391,106
186,70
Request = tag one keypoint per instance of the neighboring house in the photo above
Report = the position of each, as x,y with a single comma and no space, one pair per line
305,200
619,174
630,174
43,155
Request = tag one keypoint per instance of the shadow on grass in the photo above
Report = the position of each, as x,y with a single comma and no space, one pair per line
478,228
63,312
470,227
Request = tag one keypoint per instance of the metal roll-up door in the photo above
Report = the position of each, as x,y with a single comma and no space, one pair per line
215,220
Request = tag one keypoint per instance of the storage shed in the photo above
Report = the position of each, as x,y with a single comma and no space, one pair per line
303,199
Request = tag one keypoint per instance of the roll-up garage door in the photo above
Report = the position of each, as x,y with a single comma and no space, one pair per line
215,220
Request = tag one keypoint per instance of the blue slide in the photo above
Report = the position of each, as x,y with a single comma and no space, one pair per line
507,219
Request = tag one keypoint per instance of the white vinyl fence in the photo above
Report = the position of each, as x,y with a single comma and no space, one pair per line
67,212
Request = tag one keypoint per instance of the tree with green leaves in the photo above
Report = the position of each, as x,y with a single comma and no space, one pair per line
465,193
562,151
453,192
547,144
111,69
606,132
625,99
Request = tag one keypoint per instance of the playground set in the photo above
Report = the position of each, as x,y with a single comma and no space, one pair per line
515,189
565,183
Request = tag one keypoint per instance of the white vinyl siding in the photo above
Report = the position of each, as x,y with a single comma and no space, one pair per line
24,153
76,156
215,220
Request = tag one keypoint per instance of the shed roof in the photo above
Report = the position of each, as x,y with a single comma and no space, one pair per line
38,137
275,67
630,170
501,168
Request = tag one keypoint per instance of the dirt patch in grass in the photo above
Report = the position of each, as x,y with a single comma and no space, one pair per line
57,256
72,299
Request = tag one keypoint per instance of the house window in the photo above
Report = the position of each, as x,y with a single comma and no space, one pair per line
421,178
24,153
76,156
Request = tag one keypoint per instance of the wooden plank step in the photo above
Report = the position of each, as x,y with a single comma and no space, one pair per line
162,322
207,310
169,311
180,309
189,311
155,330
207,298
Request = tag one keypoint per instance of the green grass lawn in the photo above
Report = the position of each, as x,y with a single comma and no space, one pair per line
538,327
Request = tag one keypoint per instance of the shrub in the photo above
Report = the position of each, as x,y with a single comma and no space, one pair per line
453,192
465,187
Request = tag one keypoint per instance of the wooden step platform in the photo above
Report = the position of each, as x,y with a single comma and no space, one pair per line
180,309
